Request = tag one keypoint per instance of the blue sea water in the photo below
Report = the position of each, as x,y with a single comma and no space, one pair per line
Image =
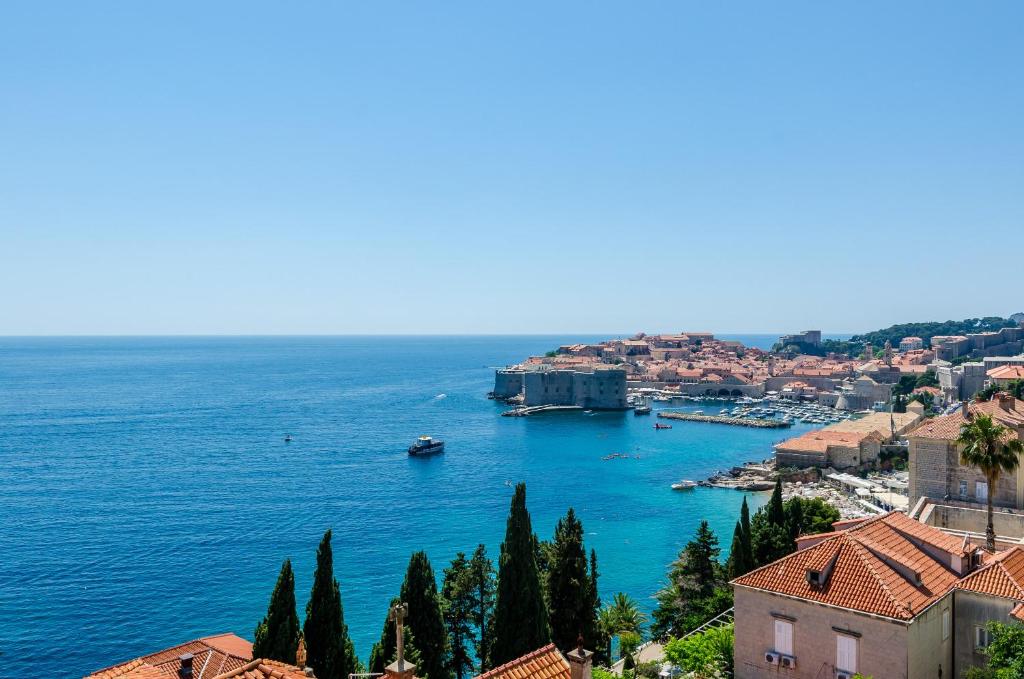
147,496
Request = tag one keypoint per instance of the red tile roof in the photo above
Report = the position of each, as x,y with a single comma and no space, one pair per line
948,426
210,656
544,663
818,441
877,566
1007,372
1003,576
264,669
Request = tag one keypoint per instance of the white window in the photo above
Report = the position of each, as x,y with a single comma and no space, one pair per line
981,491
982,638
846,653
945,624
963,489
784,637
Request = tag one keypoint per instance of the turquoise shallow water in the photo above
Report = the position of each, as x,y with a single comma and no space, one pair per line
147,496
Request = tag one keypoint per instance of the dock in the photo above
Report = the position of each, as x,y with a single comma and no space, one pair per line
722,419
533,410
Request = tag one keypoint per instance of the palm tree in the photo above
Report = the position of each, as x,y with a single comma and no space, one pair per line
993,449
620,617
627,614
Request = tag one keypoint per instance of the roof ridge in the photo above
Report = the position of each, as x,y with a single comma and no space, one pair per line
802,552
543,650
1013,580
859,550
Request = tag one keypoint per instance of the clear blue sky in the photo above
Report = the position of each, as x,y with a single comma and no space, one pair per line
252,167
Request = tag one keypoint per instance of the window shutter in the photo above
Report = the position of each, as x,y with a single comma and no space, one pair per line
783,637
846,653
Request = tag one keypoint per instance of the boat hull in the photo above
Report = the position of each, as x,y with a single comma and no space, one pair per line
424,451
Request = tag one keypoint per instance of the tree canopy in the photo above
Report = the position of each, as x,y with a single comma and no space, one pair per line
328,648
277,635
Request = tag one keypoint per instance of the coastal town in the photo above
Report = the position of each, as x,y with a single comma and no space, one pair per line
891,547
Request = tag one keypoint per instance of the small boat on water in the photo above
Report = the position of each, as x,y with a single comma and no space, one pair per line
287,438
642,410
684,485
425,445
659,425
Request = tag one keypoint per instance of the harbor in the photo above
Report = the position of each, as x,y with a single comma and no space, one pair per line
725,419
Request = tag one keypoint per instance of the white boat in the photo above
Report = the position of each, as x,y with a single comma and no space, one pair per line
684,485
425,445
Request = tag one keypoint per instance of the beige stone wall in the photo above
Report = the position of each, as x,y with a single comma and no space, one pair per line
882,648
927,651
929,468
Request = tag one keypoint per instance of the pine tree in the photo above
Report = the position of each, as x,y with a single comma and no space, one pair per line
277,636
328,648
457,606
385,651
520,617
747,538
482,576
419,593
571,604
696,589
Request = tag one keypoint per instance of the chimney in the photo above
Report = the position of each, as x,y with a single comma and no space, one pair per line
579,661
1005,400
185,672
400,669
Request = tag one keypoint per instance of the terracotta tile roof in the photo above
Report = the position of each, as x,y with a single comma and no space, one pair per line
210,656
1007,372
544,663
948,426
264,669
1003,576
1018,612
819,441
877,566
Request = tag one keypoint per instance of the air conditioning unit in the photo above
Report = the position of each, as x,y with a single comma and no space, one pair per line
771,658
787,661
840,674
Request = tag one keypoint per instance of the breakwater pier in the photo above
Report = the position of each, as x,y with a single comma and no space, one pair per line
533,410
722,419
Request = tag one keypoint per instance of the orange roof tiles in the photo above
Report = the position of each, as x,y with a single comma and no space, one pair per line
948,426
1003,576
872,571
264,669
818,441
544,663
210,656
1007,372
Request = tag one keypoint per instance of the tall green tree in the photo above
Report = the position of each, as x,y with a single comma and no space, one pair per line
328,649
419,593
457,607
482,576
994,450
595,606
520,615
696,589
738,563
277,635
385,651
570,600
776,510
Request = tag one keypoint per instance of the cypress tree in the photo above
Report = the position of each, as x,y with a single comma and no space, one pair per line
482,576
457,607
748,543
419,592
776,510
328,648
277,636
738,563
520,617
570,601
385,651
594,634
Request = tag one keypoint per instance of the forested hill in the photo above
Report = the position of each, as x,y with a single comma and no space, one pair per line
855,345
